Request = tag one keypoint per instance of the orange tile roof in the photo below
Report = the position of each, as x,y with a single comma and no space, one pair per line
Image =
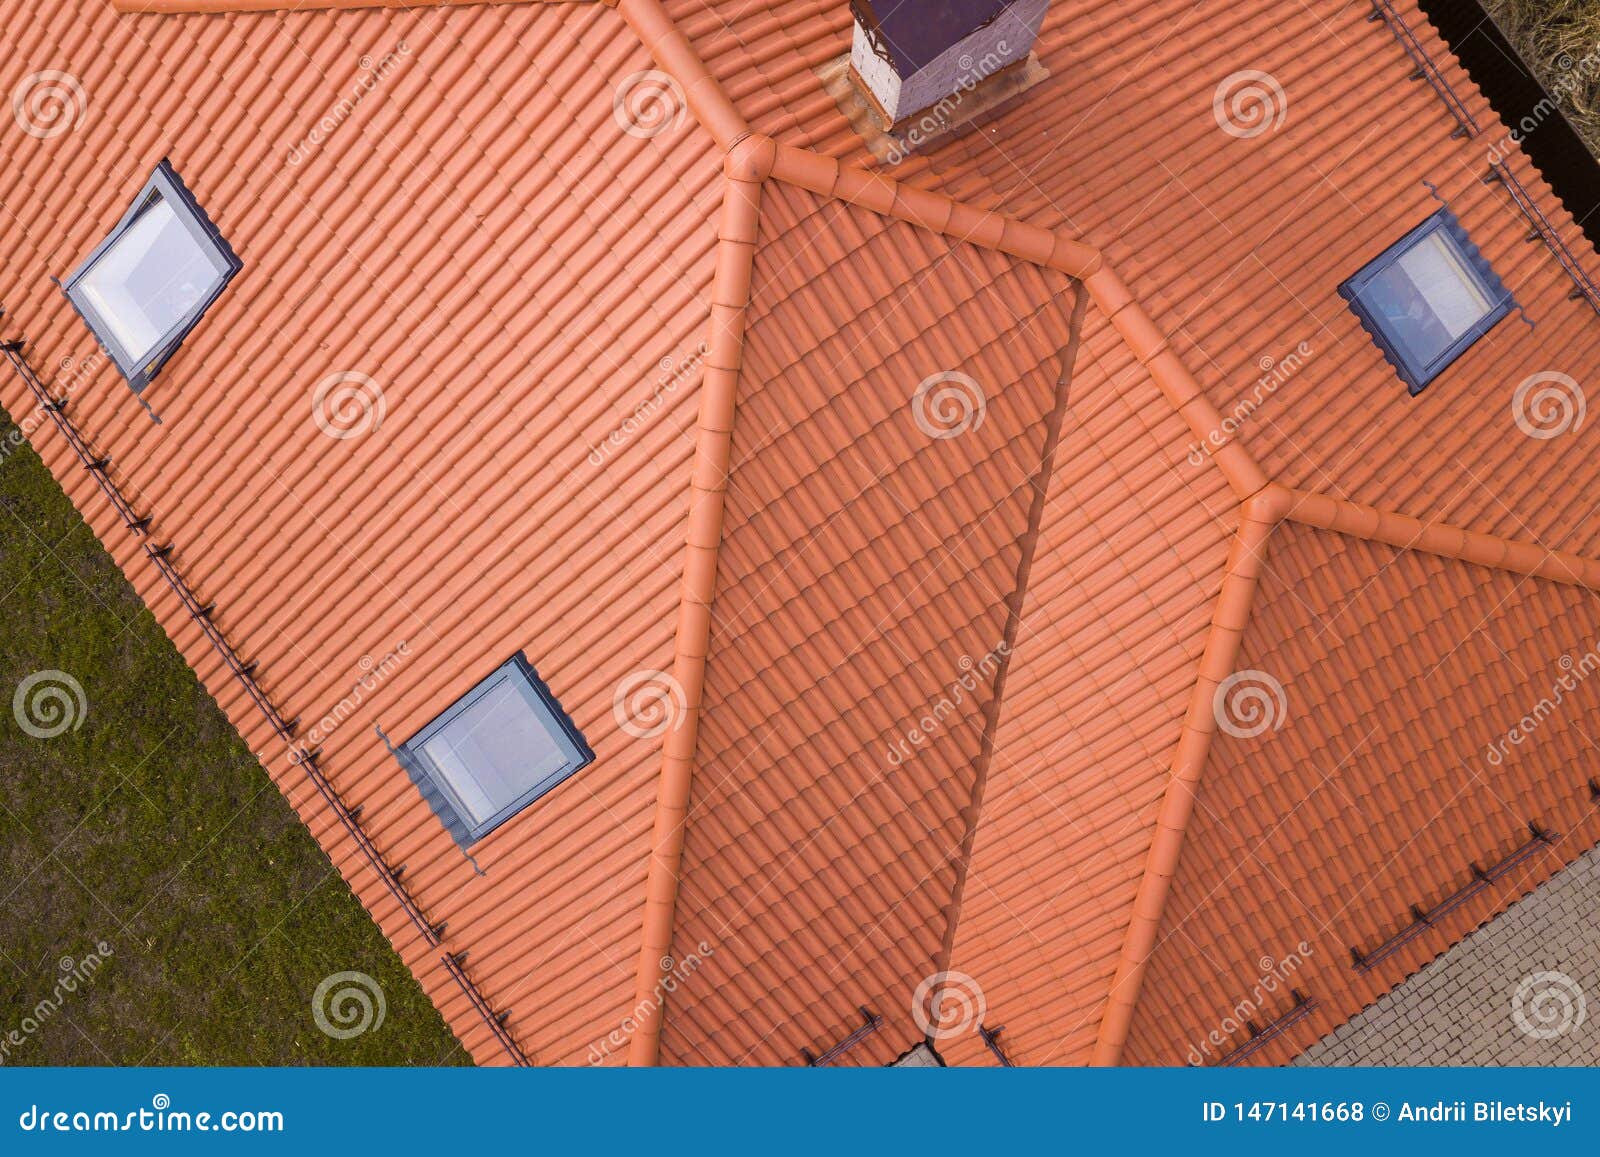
863,575
643,416
1120,606
532,265
1380,769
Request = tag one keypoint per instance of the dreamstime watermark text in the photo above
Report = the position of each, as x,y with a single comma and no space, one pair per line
1274,373
373,72
674,373
956,695
374,674
159,1117
1273,980
1576,74
675,973
936,120
1575,672
73,375
75,975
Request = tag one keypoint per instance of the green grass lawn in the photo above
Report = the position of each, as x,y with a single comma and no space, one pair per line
149,828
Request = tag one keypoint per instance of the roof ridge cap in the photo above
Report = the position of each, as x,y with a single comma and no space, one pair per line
1262,514
708,101
939,212
737,238
1445,540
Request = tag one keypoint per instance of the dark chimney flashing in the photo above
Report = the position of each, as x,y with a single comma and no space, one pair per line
911,34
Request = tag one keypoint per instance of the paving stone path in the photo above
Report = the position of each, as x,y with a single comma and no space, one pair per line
1522,990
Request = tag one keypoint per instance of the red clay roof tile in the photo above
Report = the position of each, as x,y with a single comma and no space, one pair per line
1374,793
863,569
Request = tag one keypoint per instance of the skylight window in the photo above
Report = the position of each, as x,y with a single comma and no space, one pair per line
147,284
1427,298
494,751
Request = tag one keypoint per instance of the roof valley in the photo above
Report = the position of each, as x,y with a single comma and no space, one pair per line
1015,601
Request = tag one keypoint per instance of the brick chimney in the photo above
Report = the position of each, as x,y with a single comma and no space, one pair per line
922,59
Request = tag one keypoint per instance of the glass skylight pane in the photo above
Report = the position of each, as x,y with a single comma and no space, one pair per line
496,750
150,279
1444,281
1427,299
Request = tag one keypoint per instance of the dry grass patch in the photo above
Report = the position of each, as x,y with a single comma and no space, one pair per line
1560,41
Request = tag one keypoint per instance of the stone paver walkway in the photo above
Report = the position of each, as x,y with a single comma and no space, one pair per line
1522,990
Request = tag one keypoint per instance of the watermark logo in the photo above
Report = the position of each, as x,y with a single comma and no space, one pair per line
49,703
1272,980
1250,703
675,973
348,405
1249,103
1547,1005
373,72
648,703
348,1004
74,974
648,103
948,1004
1548,405
49,103
948,404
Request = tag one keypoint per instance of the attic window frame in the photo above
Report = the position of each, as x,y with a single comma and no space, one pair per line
1414,373
436,786
165,184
